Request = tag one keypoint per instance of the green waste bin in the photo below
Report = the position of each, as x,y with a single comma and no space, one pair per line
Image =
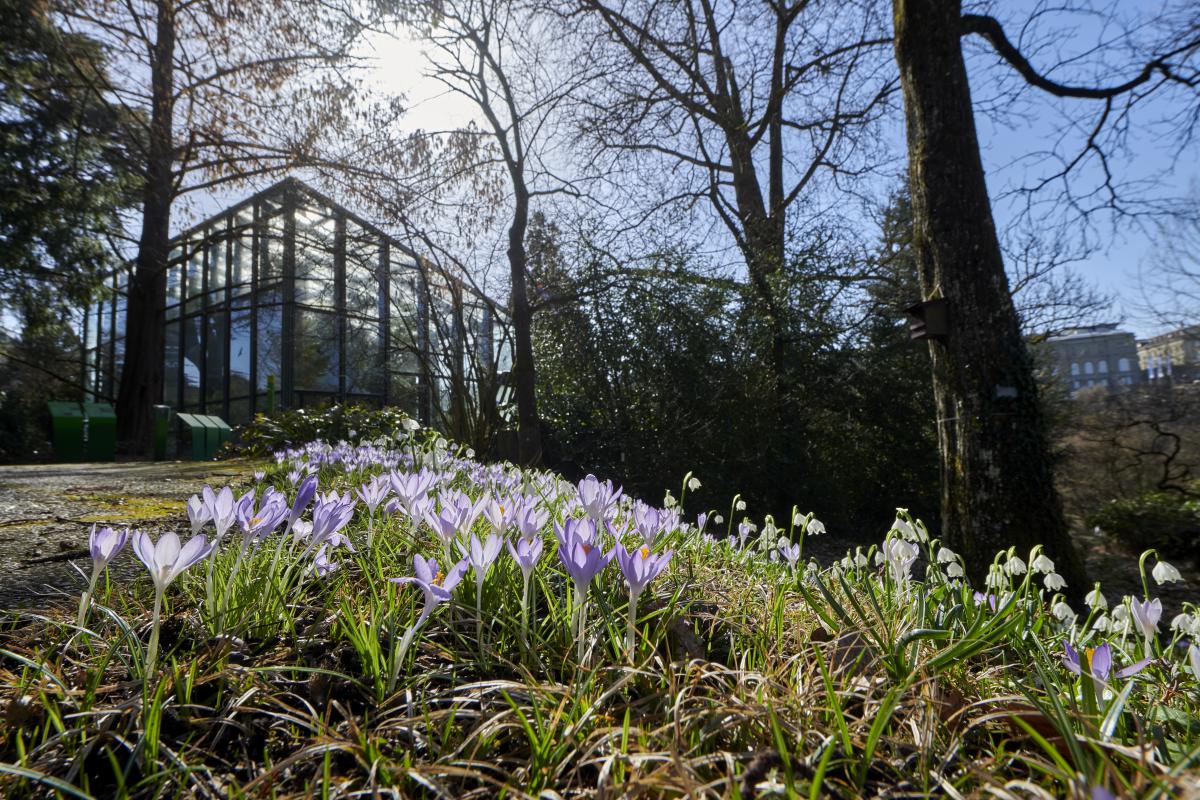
100,432
193,436
66,424
162,431
224,432
202,435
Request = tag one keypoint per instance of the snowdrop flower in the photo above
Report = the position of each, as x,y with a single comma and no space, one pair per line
900,557
718,520
1165,573
946,556
1063,612
693,484
1184,623
1054,582
798,519
1014,565
1042,564
669,500
1095,600
860,558
740,505
905,530
1146,614
814,527
955,570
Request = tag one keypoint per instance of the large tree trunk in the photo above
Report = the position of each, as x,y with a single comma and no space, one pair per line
997,476
142,371
529,437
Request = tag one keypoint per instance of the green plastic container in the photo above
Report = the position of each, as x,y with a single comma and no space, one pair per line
193,436
66,425
100,432
162,431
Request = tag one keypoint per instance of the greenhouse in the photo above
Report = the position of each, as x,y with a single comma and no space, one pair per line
289,292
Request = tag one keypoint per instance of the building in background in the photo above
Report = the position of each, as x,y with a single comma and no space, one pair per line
289,290
1172,356
1094,355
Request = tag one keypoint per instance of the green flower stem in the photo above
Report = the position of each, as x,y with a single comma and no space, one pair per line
86,600
631,630
152,648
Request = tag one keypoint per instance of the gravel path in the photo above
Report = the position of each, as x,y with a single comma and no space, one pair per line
46,511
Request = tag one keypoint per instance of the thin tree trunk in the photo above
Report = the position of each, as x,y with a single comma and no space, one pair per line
529,437
997,475
142,371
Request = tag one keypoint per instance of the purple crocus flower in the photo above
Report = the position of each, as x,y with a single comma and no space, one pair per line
103,544
408,486
258,524
980,597
321,563
790,551
529,518
436,585
1146,614
446,524
374,492
330,514
640,567
526,553
481,556
701,522
597,499
304,495
166,561
583,561
498,513
648,520
1100,664
198,513
222,510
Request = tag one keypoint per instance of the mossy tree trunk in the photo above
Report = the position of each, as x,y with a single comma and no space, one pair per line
996,471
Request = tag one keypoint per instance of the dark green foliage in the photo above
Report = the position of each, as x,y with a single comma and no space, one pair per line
264,435
1166,521
63,169
650,370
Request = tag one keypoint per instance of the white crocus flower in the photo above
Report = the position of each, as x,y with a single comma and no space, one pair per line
1042,564
1054,582
1165,573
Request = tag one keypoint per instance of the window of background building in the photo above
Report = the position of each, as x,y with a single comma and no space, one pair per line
1123,365
1088,369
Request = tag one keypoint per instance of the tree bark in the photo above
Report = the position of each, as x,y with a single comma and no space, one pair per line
529,437
996,470
142,372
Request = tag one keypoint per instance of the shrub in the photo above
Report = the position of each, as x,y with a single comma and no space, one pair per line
1167,521
265,435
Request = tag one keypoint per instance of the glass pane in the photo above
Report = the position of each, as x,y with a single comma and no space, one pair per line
362,272
239,355
402,392
270,251
315,229
195,279
442,335
214,387
364,361
174,275
171,366
193,360
216,271
404,338
239,411
316,367
270,346
241,263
